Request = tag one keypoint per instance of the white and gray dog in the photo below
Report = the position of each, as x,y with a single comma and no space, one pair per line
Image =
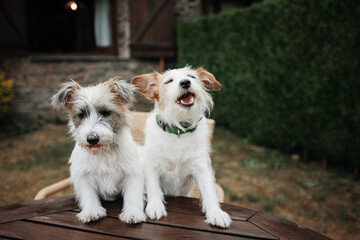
104,162
177,147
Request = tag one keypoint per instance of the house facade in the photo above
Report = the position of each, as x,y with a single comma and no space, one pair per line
45,43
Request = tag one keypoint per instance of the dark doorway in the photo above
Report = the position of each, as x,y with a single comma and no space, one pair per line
55,28
63,26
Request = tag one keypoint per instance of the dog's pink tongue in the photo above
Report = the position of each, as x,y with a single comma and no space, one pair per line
187,99
94,147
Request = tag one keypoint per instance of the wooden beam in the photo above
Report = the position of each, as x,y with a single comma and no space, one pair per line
162,64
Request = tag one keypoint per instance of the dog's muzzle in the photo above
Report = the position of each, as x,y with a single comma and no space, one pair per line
187,98
185,83
92,138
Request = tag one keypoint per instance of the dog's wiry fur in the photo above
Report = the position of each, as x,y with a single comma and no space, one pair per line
104,162
171,163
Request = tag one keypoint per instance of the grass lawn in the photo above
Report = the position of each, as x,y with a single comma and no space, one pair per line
251,176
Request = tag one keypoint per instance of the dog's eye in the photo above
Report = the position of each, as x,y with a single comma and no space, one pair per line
191,76
81,115
105,113
169,81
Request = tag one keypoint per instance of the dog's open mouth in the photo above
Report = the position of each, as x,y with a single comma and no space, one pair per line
94,147
187,99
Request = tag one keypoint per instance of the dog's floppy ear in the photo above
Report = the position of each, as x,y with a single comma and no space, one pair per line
208,80
126,90
61,100
148,84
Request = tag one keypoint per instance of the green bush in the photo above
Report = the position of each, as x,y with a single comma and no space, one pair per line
290,73
6,94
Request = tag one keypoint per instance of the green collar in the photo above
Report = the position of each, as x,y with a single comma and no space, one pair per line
173,129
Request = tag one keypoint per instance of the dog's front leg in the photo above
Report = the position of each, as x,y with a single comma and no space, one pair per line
155,208
133,207
210,204
91,209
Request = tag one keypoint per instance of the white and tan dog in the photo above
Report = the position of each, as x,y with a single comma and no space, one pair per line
177,147
104,162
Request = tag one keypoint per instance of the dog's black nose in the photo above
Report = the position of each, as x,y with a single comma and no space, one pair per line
92,138
185,83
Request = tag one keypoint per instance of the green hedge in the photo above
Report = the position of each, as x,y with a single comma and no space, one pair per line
290,73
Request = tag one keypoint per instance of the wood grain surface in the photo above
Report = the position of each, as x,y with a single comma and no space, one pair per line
55,218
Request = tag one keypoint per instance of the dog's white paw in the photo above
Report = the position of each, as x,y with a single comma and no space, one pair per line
91,214
155,210
218,217
130,216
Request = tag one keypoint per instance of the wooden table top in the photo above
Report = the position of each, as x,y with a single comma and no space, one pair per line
55,218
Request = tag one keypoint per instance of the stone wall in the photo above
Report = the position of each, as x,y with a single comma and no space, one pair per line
36,82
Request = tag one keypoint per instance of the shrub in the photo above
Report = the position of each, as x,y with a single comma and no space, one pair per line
290,73
6,94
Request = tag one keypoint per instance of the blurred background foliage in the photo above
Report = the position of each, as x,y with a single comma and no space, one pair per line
290,74
6,94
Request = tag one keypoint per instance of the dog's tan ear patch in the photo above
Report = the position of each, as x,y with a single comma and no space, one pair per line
208,80
148,84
